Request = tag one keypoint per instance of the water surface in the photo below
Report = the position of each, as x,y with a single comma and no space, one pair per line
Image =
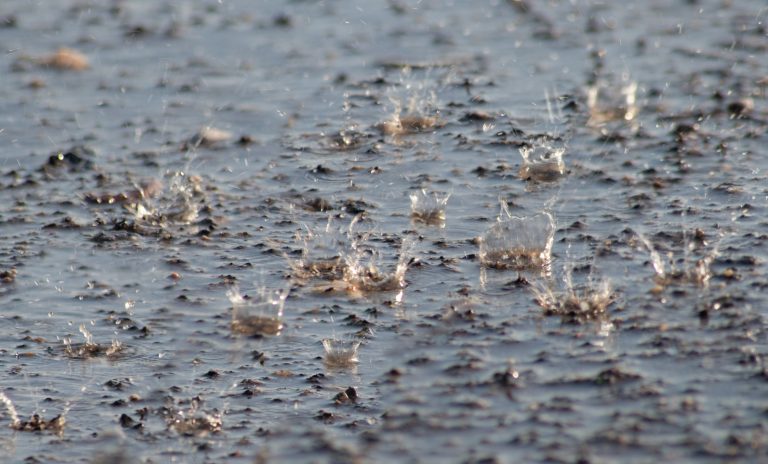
461,365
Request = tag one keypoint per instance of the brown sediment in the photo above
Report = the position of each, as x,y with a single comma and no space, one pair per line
256,325
36,84
8,276
409,124
574,304
65,59
434,217
515,258
542,171
207,137
416,123
145,190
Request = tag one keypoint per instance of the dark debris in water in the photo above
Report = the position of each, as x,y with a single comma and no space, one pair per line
615,375
348,396
76,159
37,423
8,276
93,350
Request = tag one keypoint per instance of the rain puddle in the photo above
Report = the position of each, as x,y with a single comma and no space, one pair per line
251,234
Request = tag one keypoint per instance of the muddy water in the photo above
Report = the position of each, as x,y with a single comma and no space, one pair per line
188,146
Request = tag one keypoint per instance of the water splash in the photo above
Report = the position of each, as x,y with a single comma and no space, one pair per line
667,272
11,410
178,203
321,254
258,315
429,208
340,353
364,273
621,107
415,109
344,258
574,304
89,348
348,138
193,422
518,242
36,423
542,163
180,206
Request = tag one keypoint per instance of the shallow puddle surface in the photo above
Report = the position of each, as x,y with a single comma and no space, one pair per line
157,157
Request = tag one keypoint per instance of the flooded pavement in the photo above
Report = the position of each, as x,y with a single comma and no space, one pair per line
312,231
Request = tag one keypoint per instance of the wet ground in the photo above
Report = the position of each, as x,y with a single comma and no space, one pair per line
154,155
